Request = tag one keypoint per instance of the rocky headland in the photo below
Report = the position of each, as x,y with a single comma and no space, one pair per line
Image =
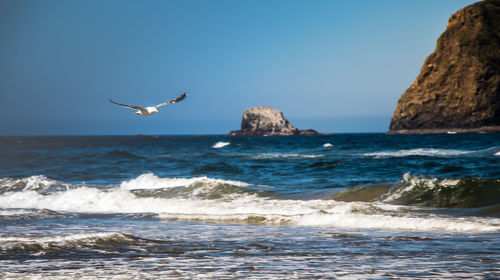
263,120
458,88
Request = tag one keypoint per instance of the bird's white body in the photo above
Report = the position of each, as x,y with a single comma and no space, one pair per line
148,111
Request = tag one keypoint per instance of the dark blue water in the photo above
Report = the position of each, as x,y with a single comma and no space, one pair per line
339,206
285,162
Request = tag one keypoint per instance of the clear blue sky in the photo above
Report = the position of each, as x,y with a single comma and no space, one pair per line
334,66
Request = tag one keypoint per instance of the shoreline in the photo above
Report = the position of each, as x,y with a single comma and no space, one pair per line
482,129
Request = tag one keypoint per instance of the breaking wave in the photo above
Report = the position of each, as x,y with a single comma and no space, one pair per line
214,200
62,242
19,214
91,244
431,192
283,155
461,193
431,152
151,181
219,145
37,183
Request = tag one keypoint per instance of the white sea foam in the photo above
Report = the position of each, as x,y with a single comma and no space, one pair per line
393,222
52,242
240,207
59,239
327,145
328,214
151,181
420,152
15,212
221,144
497,153
283,155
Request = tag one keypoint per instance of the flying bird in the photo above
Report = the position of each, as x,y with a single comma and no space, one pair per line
148,111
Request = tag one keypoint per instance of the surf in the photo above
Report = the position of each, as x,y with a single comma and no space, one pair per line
480,193
214,200
431,152
221,144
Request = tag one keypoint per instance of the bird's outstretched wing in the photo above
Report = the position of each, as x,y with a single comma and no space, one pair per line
128,106
172,101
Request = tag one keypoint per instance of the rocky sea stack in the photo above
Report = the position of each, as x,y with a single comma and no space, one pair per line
458,88
263,120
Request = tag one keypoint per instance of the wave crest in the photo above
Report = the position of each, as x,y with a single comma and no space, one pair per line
19,214
151,181
432,152
38,183
268,156
213,200
220,144
456,193
103,243
430,192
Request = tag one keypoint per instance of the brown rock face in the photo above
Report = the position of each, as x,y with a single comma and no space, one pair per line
458,87
264,120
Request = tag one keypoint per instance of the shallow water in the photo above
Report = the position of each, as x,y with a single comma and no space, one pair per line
404,206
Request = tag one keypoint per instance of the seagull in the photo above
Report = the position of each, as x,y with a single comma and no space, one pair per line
148,111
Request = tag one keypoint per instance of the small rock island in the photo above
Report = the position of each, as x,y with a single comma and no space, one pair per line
263,120
458,88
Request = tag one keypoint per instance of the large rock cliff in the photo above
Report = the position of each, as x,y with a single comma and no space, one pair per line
263,120
458,87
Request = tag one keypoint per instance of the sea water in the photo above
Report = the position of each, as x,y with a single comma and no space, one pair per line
347,206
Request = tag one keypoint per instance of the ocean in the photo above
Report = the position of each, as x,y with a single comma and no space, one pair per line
341,206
